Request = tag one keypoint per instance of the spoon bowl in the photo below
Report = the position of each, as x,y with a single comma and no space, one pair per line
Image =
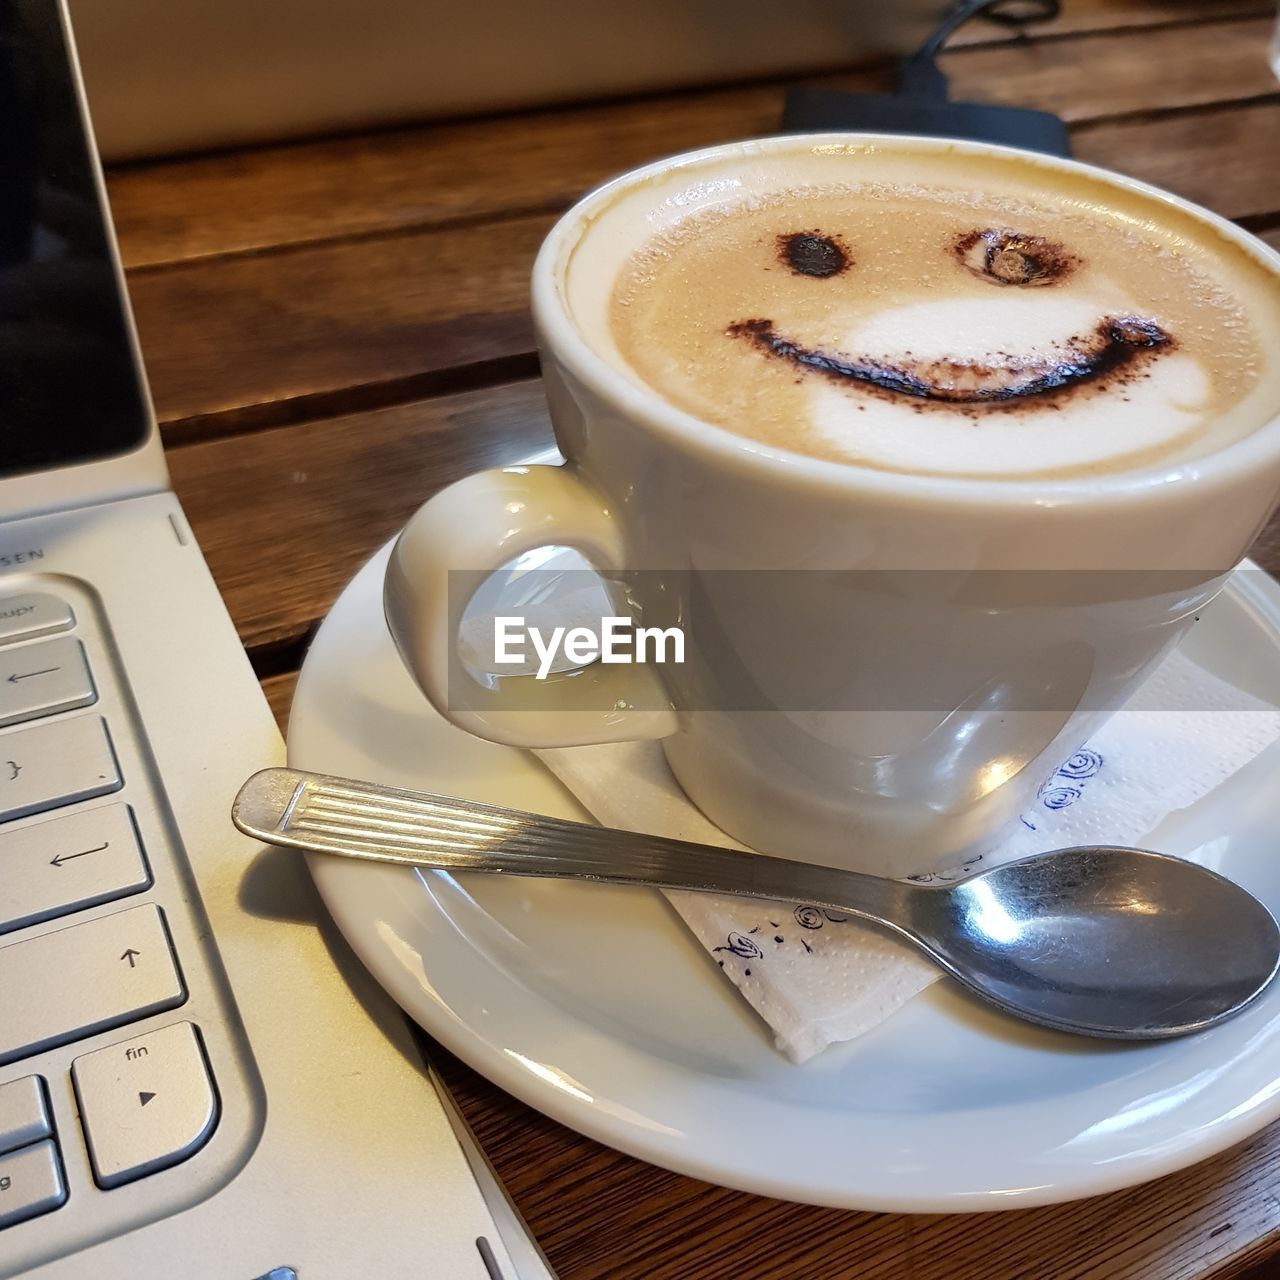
1103,940
1100,941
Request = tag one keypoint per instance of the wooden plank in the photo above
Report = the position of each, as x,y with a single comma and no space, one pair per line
286,516
1110,75
1223,159
279,693
429,176
1266,550
332,327
1077,16
414,177
254,336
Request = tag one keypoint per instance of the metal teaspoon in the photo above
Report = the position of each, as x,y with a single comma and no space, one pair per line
1100,941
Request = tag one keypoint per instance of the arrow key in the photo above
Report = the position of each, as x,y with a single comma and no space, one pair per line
42,679
146,1103
63,986
61,865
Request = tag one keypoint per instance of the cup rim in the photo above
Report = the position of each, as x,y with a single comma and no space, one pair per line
560,339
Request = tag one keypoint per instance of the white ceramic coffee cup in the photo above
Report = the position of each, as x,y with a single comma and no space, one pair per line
987,616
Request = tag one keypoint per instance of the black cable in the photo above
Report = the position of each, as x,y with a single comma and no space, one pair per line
922,78
921,104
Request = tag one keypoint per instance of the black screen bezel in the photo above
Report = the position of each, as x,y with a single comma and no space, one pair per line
78,398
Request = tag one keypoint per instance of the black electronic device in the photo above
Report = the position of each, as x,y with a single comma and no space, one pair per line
921,104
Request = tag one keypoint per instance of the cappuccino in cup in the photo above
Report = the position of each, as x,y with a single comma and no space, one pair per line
944,315
877,420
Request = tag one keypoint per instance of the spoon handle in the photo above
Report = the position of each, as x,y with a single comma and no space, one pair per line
323,814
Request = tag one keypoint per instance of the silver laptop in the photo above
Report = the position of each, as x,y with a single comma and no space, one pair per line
196,1079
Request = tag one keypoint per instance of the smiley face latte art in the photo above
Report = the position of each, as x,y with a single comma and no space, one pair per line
942,316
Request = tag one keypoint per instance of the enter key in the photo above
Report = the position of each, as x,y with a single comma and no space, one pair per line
61,865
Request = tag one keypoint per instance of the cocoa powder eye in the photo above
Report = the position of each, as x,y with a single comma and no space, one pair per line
1006,257
811,253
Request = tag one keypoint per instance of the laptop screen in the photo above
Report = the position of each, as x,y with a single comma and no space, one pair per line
69,389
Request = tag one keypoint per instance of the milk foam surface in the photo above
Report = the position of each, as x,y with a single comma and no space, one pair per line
965,320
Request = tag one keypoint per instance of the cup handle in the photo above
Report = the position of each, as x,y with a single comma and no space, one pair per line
482,523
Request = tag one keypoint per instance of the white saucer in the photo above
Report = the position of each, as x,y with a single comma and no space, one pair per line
595,1005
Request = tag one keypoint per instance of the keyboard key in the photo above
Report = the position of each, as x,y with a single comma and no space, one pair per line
43,679
55,764
66,985
36,614
145,1104
65,864
24,1117
30,1183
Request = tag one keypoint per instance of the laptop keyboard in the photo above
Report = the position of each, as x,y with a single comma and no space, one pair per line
147,1100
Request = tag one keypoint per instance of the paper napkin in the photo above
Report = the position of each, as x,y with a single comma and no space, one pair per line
818,978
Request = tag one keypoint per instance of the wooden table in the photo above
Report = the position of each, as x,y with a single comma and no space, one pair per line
336,329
